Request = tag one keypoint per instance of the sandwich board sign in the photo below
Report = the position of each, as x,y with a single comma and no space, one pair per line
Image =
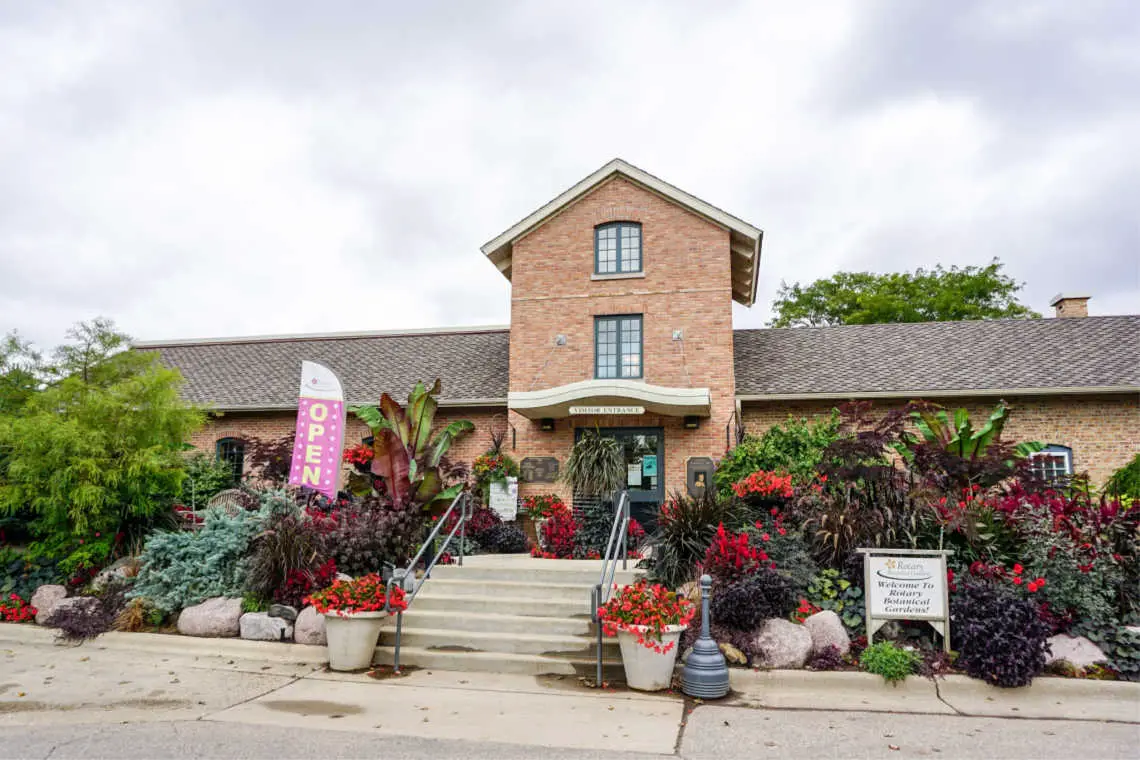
906,584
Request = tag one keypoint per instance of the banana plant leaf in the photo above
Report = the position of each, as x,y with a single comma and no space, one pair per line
445,438
397,419
422,407
391,462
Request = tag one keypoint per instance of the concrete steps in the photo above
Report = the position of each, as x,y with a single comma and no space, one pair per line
505,614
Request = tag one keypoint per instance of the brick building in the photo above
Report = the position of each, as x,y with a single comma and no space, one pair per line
621,319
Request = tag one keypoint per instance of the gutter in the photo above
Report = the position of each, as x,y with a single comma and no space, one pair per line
936,393
443,403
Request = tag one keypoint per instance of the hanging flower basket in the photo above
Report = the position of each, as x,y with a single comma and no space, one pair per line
648,621
354,614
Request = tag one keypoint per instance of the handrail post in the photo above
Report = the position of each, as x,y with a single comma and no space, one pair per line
625,529
462,524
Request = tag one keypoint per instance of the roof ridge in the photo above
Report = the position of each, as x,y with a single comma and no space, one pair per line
347,335
1017,320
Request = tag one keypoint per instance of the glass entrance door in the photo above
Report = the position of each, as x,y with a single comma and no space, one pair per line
645,468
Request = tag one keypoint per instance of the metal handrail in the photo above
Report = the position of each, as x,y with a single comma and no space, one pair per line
600,593
463,501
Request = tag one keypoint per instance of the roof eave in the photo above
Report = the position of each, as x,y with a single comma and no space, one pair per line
444,403
941,393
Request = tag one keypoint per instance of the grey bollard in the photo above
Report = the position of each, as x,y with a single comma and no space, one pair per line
706,673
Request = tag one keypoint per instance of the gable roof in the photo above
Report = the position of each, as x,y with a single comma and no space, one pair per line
745,239
1076,355
257,374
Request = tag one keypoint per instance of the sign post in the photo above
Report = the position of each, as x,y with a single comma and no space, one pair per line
906,584
319,440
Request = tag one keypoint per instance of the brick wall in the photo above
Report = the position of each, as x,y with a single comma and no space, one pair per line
272,425
1102,431
686,286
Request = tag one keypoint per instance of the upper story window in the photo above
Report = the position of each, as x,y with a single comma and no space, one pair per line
617,346
617,248
1053,464
232,452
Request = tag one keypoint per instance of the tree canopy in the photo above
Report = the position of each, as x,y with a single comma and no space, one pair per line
92,442
925,295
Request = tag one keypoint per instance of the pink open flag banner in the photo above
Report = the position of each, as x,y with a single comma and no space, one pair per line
320,431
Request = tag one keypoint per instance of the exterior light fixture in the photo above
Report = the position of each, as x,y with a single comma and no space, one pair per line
546,424
692,422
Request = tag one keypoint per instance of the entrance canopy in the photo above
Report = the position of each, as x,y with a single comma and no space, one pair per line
610,397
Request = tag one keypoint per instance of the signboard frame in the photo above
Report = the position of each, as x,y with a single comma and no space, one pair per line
939,622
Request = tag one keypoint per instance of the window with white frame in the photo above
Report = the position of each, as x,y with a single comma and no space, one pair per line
617,248
1053,464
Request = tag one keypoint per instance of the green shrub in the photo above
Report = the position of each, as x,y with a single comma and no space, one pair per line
1125,482
830,591
205,477
21,574
796,447
889,661
179,569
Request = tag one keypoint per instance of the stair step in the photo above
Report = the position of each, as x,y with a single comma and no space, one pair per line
494,641
462,603
571,576
501,662
513,588
419,617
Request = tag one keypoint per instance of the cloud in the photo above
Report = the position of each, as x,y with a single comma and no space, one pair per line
176,165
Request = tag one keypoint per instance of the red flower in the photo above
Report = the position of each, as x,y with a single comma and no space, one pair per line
1017,569
1017,581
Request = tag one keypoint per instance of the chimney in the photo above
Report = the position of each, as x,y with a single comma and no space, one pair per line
1070,305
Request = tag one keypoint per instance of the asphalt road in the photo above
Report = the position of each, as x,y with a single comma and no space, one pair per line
712,732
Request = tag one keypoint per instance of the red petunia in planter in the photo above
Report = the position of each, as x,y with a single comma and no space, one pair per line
648,620
354,612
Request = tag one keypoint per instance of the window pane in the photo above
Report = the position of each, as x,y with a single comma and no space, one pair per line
607,349
607,250
630,248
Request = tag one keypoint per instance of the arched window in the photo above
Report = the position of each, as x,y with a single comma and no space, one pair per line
1053,464
617,248
232,452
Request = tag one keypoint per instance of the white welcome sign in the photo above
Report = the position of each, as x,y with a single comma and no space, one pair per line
505,498
906,584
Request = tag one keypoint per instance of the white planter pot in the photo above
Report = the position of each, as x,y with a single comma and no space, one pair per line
645,669
352,638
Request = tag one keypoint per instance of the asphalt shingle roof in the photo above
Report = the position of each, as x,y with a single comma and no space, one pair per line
261,374
926,357
905,359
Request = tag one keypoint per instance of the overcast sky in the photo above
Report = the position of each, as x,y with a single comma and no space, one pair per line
200,168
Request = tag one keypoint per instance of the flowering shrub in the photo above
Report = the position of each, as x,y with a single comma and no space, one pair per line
15,610
764,484
542,506
646,610
359,454
367,593
749,601
300,583
558,535
1000,637
785,548
804,610
731,556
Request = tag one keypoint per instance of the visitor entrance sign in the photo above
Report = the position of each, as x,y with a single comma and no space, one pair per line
319,439
906,584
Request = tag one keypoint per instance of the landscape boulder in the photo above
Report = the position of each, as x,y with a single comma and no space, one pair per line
122,568
217,617
782,644
45,600
827,630
259,626
284,611
310,628
1075,650
79,611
